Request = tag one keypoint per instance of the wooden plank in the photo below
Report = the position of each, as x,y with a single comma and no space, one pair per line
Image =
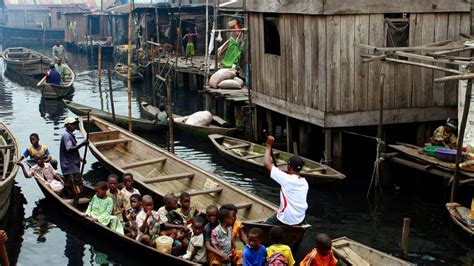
347,63
323,7
450,87
237,146
254,51
376,38
416,71
205,191
465,29
322,62
111,142
289,55
361,35
441,33
427,36
143,163
282,75
308,61
244,205
166,178
334,61
314,95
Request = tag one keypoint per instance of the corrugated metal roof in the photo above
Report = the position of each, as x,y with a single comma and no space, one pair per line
92,4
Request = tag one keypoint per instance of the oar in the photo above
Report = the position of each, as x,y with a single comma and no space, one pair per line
87,138
271,150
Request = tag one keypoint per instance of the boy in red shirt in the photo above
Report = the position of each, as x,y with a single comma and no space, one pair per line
322,254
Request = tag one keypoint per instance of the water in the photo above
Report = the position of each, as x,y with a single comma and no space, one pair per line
42,234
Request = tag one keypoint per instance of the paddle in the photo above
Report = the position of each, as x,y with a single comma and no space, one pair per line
77,190
271,151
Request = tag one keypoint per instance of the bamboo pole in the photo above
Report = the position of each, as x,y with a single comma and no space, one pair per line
206,56
112,105
157,24
99,71
169,97
214,27
423,65
465,113
129,75
153,75
455,77
405,234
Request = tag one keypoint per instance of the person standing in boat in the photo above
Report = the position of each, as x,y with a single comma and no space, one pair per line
58,52
294,189
70,159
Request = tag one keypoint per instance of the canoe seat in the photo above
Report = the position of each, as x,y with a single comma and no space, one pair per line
111,142
143,163
6,146
165,178
242,145
245,205
353,257
205,191
253,156
315,169
83,200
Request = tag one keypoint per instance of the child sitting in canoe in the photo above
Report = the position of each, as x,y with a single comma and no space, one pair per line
180,240
128,188
222,242
212,222
169,218
238,233
100,209
255,253
148,222
278,252
36,148
321,254
131,218
44,171
196,251
187,211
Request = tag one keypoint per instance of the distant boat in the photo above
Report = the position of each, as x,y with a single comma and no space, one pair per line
53,91
197,131
354,253
122,72
250,156
139,124
460,216
9,154
26,62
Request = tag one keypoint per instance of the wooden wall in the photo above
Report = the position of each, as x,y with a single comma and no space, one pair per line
80,20
320,68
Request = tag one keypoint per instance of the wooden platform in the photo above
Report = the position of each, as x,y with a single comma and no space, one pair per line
197,67
241,95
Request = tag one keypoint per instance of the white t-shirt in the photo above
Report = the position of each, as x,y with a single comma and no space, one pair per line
294,190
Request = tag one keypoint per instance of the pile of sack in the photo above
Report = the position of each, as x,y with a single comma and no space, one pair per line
201,118
225,78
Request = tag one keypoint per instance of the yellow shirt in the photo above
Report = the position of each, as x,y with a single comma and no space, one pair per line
283,250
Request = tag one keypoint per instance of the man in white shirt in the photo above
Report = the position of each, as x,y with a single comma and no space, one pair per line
294,189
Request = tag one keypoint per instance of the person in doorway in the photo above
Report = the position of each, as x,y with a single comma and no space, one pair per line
294,189
53,76
189,44
69,157
445,135
58,51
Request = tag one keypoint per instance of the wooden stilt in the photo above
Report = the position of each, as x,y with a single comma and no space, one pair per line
99,74
405,234
269,122
112,104
303,139
129,63
337,149
289,134
169,96
328,146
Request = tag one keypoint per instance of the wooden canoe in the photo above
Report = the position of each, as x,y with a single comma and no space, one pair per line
53,91
158,172
26,62
121,71
9,154
121,120
354,253
250,155
201,132
113,238
460,216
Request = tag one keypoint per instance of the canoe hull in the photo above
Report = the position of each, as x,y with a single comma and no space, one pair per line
7,157
313,178
460,216
26,62
54,92
137,78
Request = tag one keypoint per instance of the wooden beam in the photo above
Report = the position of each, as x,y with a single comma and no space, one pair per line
106,134
143,163
166,178
242,145
245,205
455,77
432,59
423,48
111,142
205,191
82,200
253,156
422,168
423,65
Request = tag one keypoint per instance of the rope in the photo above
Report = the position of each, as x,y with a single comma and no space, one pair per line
362,135
376,171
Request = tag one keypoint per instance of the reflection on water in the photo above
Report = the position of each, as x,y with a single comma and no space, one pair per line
13,224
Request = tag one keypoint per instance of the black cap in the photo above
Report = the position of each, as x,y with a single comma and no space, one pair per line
296,162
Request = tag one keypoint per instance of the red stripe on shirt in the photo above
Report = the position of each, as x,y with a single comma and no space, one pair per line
285,203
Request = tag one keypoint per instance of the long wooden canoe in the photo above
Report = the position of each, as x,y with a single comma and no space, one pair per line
460,216
158,172
196,131
125,243
25,61
121,71
250,155
9,154
354,253
121,120
53,91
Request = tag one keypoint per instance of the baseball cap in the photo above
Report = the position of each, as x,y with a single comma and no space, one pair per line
296,162
70,120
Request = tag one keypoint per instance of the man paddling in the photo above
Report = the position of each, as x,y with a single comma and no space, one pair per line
70,159
294,189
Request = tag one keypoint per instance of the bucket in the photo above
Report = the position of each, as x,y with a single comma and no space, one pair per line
164,244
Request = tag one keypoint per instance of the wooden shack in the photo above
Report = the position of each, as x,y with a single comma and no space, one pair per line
307,66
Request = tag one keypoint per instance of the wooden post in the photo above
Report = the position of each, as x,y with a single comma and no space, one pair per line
328,146
129,76
289,134
157,24
337,149
153,75
112,105
206,56
216,10
465,113
269,122
303,138
405,234
99,71
380,126
169,96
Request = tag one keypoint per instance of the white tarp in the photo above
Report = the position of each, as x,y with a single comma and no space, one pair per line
469,133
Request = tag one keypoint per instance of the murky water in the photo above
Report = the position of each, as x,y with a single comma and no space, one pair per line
46,236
